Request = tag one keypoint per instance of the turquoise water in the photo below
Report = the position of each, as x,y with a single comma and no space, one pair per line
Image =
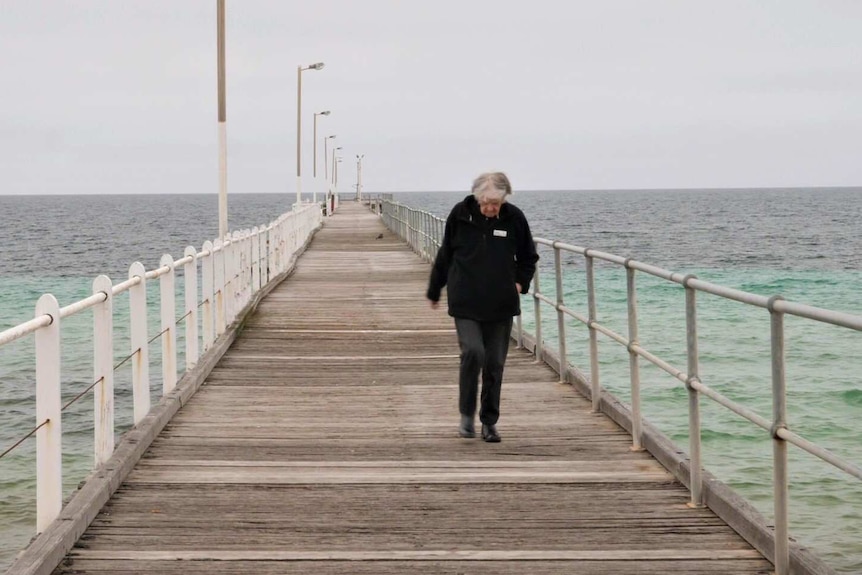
802,244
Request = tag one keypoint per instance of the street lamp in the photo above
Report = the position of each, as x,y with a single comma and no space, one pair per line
316,114
329,206
334,167
222,122
299,70
326,156
359,177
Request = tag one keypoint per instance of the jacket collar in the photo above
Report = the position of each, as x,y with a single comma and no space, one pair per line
470,210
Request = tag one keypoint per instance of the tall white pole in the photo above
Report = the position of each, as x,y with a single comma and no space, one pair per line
222,125
316,114
299,70
298,136
359,177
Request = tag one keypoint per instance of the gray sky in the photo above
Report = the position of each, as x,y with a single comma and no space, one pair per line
110,96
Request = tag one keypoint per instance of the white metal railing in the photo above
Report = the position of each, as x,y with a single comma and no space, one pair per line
423,232
232,271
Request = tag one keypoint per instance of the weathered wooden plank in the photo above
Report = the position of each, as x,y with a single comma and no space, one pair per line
658,567
424,555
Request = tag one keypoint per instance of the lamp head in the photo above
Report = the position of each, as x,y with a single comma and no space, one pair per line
325,113
316,66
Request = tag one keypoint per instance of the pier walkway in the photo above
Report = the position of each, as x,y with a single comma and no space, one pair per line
325,441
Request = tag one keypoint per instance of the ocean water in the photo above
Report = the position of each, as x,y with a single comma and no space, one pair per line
800,243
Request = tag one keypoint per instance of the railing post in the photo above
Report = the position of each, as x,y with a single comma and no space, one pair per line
207,323
779,446
519,326
595,383
537,314
243,271
634,370
139,342
218,286
168,314
190,283
103,372
694,441
561,317
255,259
49,439
229,277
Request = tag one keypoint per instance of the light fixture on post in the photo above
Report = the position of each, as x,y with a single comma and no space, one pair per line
326,172
334,167
359,177
335,162
314,171
222,121
299,71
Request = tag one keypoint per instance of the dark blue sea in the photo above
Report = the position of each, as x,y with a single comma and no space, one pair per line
803,244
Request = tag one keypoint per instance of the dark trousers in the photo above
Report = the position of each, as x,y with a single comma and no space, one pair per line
484,345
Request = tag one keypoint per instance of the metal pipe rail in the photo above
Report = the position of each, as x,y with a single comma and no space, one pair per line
232,270
424,232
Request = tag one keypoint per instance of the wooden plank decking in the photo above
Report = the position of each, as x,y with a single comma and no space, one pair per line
325,441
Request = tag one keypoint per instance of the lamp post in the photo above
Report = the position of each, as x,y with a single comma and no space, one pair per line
359,177
335,172
326,172
222,123
299,70
316,114
326,156
334,167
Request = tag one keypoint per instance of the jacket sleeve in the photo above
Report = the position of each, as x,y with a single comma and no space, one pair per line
525,257
440,269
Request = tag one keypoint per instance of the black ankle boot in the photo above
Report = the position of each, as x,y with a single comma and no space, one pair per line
467,429
489,433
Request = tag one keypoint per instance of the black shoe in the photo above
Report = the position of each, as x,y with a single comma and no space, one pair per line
489,433
467,429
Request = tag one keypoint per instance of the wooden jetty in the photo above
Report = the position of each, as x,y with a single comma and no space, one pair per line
325,441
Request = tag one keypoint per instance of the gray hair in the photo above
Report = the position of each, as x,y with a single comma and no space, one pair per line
493,184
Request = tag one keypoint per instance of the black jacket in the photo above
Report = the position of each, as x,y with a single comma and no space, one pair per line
481,259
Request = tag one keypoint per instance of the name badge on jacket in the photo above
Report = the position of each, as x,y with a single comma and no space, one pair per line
501,233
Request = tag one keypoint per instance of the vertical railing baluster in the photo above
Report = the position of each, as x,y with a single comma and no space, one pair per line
229,282
634,370
561,316
537,314
139,342
255,259
779,446
190,286
218,286
49,440
693,368
595,383
207,307
103,372
167,299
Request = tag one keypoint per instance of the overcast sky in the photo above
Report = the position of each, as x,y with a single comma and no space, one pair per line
119,96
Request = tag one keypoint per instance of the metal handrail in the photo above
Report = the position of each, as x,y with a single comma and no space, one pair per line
423,232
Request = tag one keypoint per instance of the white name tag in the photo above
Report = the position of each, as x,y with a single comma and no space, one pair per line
501,233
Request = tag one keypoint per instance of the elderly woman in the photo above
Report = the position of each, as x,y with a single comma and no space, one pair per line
487,258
